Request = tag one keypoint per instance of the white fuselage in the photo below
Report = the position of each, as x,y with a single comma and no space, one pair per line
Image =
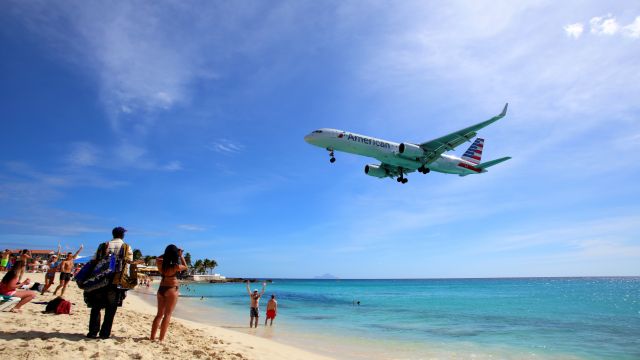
385,151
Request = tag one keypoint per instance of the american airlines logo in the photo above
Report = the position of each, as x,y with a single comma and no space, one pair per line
368,141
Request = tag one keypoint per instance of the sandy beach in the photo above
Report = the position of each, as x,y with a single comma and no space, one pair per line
35,335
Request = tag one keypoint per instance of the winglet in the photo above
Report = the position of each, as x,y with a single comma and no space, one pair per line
504,111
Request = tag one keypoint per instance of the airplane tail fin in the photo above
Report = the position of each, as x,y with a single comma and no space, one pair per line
474,152
487,164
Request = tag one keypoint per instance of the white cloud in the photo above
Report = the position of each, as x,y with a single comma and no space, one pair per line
191,227
83,154
604,25
632,30
225,146
137,51
173,166
595,238
574,30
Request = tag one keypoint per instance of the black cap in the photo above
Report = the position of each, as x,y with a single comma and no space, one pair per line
118,231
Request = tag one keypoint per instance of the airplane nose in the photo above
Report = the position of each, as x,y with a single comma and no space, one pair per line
307,138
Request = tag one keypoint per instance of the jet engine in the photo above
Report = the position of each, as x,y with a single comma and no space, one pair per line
410,151
375,170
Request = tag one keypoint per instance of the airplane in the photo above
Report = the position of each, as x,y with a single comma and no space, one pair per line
397,160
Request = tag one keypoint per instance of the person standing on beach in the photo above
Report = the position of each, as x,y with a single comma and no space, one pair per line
254,311
50,275
169,265
21,263
108,297
4,262
66,268
272,310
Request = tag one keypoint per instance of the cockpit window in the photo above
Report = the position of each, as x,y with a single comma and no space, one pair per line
317,132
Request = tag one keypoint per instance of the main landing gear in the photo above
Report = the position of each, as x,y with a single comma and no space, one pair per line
332,159
424,169
401,178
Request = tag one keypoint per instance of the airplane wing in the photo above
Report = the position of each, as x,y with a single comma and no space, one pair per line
436,147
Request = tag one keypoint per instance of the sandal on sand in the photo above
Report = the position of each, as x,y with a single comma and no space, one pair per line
14,310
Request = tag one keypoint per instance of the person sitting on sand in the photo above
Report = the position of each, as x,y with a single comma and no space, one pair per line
272,309
66,268
254,311
169,265
9,287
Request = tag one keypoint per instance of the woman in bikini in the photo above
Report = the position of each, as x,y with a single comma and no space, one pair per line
169,265
9,286
21,263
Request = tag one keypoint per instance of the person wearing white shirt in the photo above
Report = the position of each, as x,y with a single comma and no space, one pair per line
109,297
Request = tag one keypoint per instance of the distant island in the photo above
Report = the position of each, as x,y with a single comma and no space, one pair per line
326,276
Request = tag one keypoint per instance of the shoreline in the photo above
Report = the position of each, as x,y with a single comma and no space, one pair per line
35,335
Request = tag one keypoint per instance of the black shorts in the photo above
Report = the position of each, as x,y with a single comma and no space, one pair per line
254,312
65,276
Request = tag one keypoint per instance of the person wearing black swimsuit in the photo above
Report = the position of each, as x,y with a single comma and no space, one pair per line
169,265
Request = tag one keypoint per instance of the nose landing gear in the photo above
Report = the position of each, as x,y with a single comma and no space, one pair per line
424,169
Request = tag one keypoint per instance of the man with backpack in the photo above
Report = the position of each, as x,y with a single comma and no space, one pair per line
109,297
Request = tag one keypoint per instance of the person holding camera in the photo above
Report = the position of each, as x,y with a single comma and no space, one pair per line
169,265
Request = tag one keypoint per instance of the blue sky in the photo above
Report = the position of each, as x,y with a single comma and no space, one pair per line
184,122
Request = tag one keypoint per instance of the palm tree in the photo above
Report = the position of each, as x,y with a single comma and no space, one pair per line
198,266
187,259
207,265
213,264
137,254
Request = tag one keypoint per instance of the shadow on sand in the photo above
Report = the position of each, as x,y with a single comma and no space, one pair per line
29,335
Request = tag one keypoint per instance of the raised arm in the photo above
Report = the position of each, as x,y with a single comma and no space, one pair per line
159,263
78,252
183,263
264,287
248,288
59,248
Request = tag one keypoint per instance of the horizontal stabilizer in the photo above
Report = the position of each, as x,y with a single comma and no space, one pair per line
487,164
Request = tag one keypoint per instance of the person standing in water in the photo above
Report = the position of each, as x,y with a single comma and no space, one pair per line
66,271
272,310
254,311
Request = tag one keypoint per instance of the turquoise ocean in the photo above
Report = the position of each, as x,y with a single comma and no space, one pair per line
538,318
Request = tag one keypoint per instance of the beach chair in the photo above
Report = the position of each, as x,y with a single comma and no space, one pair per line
8,302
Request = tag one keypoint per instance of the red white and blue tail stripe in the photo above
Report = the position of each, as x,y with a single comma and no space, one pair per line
474,152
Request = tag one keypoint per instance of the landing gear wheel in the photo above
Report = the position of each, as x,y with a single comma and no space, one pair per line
404,181
399,179
332,160
426,170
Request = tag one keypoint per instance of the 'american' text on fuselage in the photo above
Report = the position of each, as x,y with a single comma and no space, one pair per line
368,141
